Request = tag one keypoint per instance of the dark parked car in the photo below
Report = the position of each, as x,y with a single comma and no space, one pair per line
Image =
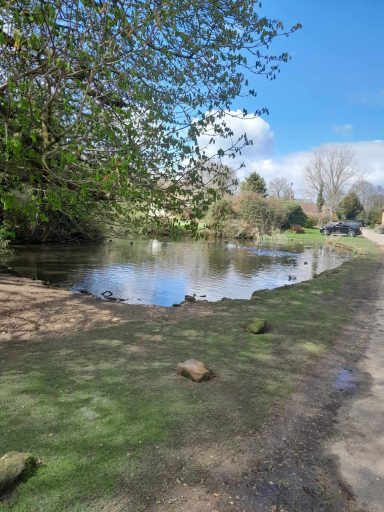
343,227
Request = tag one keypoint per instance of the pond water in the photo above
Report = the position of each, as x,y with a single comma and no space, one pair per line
163,272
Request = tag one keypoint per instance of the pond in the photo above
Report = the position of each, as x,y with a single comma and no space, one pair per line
163,272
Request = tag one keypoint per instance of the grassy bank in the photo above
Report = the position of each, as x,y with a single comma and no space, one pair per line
113,423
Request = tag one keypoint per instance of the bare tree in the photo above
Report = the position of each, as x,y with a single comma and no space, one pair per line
280,187
365,192
218,178
331,167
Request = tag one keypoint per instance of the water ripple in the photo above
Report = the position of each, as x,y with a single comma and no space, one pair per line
163,272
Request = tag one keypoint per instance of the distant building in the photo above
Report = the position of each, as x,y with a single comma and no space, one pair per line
308,207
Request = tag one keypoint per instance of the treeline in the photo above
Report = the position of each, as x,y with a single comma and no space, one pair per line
251,213
364,201
329,175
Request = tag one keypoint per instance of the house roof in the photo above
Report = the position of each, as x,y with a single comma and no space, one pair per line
309,207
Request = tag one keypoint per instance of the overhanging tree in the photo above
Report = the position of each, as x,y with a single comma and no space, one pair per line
102,102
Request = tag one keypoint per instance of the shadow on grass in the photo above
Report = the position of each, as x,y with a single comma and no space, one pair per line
109,416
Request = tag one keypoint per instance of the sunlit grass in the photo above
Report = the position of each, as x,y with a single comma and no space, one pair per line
109,416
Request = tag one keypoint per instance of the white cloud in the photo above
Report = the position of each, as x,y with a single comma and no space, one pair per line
290,166
343,129
369,156
370,160
259,157
257,130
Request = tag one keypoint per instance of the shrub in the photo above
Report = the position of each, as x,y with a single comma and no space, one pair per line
311,222
35,222
294,215
5,237
372,217
219,216
6,234
251,215
279,209
236,228
259,213
295,228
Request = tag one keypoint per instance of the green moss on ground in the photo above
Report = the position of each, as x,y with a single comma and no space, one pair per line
110,418
256,326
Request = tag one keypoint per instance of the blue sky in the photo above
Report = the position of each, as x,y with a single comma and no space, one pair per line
332,91
335,77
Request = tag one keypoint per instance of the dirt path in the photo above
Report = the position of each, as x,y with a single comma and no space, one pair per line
29,309
323,450
359,441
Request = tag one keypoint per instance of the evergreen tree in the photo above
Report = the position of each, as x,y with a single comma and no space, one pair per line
254,183
349,207
320,198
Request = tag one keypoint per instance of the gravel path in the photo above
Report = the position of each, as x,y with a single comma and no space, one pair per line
359,442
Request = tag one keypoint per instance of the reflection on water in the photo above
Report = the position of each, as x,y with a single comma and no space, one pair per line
345,380
163,272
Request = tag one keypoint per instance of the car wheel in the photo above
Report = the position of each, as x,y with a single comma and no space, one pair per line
326,232
351,233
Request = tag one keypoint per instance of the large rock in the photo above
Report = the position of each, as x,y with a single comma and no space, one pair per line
15,466
256,326
194,370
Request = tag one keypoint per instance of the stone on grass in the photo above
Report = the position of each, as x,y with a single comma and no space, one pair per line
255,294
15,466
256,326
194,370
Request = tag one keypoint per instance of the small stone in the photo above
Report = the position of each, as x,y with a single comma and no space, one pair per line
194,370
14,466
256,326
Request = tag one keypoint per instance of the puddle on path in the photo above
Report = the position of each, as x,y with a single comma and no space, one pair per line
345,380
